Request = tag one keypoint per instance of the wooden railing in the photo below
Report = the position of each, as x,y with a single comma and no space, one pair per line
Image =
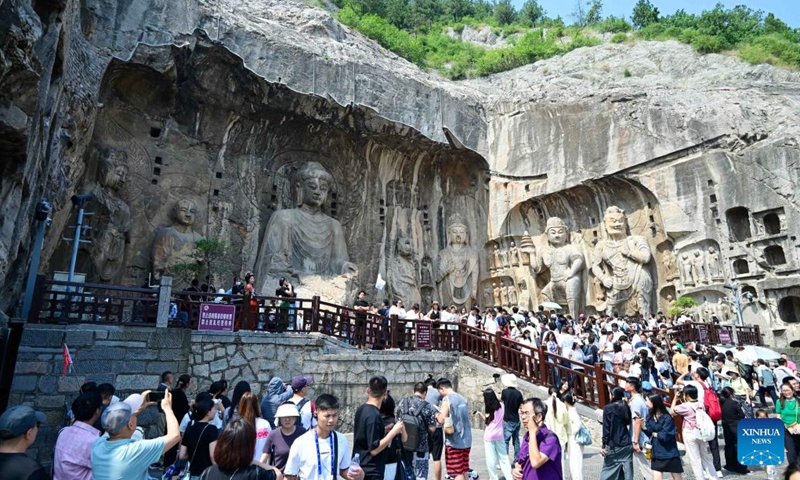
63,302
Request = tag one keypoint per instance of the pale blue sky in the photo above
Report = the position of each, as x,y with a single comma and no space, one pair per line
786,10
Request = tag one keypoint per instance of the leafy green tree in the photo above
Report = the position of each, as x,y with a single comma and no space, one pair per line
644,13
458,9
531,13
425,12
595,13
484,9
504,12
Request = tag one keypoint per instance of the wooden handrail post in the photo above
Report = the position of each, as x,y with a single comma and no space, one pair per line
542,366
164,300
600,380
315,321
393,330
498,352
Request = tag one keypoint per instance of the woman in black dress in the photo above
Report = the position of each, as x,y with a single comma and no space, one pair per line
180,406
660,428
731,414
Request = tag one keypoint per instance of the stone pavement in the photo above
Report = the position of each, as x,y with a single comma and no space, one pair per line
593,463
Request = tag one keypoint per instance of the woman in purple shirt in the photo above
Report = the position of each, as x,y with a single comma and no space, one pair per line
540,453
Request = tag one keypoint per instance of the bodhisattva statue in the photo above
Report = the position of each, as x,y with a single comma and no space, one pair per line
176,243
714,270
514,252
562,259
699,267
112,216
458,271
686,267
305,239
402,275
620,262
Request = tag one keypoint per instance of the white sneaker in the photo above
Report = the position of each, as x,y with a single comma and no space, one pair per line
719,474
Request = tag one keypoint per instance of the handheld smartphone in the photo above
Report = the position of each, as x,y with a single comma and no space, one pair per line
155,396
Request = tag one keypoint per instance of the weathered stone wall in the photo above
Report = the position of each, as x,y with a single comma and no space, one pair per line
133,358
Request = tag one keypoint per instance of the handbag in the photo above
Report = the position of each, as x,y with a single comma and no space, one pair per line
186,474
794,428
448,427
583,437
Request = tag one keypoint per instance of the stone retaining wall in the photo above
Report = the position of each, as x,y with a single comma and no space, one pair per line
133,358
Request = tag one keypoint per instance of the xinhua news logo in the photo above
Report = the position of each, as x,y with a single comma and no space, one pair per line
760,441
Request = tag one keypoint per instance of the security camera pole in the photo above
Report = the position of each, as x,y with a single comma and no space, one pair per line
80,202
42,217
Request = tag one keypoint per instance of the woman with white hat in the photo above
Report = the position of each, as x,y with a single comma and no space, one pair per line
280,440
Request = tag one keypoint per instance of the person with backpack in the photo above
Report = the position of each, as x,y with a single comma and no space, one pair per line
304,405
638,407
417,417
696,425
766,383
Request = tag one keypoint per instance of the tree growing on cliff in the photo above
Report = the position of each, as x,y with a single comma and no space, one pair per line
531,13
504,12
589,13
644,13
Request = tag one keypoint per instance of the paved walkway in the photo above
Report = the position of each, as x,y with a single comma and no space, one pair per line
593,463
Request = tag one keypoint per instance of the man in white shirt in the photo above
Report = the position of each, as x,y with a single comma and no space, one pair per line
397,309
322,452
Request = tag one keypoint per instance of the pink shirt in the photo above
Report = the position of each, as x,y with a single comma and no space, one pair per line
73,454
791,365
494,431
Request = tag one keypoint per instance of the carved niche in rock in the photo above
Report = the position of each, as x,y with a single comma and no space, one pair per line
175,244
305,240
459,266
620,263
698,267
111,222
562,260
401,275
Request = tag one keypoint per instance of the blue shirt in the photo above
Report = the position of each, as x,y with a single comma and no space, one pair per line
461,438
638,409
124,459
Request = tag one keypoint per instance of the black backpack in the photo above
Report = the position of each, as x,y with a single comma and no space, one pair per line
299,421
414,426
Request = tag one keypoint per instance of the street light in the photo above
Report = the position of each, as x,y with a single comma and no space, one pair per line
42,217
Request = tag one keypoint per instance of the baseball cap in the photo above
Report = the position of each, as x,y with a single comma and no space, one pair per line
119,414
287,410
298,383
18,420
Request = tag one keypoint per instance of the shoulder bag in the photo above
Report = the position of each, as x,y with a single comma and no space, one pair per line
186,474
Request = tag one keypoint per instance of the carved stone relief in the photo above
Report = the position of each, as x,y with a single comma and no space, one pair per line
175,244
459,266
402,275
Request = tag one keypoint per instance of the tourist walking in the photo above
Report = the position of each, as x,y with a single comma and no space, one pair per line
574,451
277,393
540,453
766,383
731,414
638,407
417,407
435,438
19,427
280,440
300,386
240,389
322,453
72,458
661,430
370,440
697,450
495,447
617,448
250,410
557,418
512,400
394,452
459,436
787,409
233,455
200,439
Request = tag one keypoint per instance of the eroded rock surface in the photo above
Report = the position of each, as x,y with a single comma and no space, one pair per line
224,102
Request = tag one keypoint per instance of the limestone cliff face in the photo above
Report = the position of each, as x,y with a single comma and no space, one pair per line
222,103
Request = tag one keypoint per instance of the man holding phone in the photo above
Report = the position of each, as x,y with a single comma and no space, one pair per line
115,456
540,453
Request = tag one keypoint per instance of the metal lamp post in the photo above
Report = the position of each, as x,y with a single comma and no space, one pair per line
42,217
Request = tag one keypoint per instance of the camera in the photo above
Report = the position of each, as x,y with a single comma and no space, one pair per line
155,396
43,209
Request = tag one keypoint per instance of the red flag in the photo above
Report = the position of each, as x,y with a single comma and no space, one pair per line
67,361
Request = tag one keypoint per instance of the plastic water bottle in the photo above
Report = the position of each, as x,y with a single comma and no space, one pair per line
169,473
355,463
771,471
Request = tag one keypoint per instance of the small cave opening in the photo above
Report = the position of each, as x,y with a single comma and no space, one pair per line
789,309
739,223
774,255
772,224
740,266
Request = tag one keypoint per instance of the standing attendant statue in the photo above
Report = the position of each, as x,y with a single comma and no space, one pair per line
564,261
620,262
176,243
458,271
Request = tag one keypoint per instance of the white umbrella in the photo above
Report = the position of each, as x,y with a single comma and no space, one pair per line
551,305
758,352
